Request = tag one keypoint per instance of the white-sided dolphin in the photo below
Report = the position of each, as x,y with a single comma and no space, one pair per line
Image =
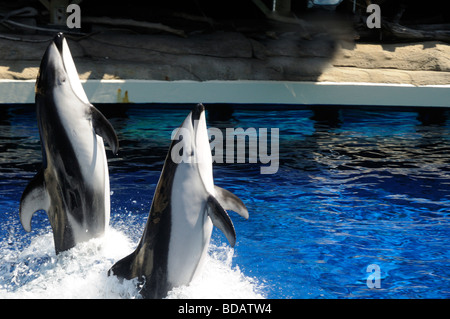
73,184
185,206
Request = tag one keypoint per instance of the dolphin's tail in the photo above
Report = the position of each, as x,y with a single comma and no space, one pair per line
152,287
123,268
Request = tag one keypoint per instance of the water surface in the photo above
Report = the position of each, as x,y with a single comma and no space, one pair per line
354,187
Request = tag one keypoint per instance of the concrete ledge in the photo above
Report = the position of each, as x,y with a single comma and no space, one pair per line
245,92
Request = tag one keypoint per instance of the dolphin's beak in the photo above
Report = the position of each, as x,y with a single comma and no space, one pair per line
52,70
58,41
57,67
196,113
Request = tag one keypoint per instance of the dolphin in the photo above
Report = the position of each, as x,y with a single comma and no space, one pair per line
72,185
185,206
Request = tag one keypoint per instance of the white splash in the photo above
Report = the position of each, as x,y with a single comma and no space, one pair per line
81,272
219,280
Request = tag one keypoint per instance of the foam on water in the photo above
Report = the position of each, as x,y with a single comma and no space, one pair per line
219,279
37,272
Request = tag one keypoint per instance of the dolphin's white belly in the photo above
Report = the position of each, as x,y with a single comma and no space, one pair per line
191,227
88,146
90,154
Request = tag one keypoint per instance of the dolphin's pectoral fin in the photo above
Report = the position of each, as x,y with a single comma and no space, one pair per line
229,201
221,220
35,197
103,128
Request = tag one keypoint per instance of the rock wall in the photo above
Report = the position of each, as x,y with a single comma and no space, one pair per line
221,55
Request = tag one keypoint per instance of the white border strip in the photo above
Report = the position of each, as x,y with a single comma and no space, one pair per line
251,92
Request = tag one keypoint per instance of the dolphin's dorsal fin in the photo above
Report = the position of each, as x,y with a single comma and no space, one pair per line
229,201
35,197
104,129
221,220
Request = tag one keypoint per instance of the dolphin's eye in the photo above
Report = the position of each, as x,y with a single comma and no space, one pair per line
61,79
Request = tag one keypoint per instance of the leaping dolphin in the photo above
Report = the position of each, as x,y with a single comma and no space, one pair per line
185,206
73,184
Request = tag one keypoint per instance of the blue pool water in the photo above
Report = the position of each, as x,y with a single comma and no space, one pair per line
355,187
